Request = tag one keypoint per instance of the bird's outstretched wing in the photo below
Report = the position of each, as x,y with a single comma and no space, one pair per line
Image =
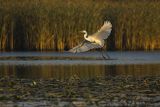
104,31
84,46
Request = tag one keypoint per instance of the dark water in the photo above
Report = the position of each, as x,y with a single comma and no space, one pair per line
36,65
132,79
63,72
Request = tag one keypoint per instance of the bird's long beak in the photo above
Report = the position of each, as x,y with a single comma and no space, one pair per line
81,31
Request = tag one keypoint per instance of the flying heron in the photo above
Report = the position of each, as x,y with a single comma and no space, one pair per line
95,40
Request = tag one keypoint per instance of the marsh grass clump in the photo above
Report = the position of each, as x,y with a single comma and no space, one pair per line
54,24
107,91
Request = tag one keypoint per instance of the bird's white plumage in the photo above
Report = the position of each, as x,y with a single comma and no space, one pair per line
84,46
104,31
95,40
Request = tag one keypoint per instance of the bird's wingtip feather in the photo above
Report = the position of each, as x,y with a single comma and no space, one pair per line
108,23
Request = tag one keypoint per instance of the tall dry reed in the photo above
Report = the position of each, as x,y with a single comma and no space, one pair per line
55,24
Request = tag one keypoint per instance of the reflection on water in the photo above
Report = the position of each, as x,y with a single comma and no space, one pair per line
79,72
63,65
63,72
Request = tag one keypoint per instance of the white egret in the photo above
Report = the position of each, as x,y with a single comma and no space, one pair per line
95,40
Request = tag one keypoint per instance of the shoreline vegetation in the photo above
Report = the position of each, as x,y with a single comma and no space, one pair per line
42,25
99,92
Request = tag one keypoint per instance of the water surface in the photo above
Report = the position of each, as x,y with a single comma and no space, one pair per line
63,65
61,79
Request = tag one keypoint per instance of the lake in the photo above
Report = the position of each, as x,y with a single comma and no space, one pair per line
62,65
45,67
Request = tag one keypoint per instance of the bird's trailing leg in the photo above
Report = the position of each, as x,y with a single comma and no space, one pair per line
108,57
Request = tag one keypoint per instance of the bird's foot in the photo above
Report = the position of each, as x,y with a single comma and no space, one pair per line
105,58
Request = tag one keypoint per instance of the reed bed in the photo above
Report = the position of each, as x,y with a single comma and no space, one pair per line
44,25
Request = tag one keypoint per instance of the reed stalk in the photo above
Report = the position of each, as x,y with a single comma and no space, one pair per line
55,24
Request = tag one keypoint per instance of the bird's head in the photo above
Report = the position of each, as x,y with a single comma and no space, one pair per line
83,31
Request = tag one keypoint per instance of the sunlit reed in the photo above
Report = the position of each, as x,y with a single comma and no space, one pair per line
55,24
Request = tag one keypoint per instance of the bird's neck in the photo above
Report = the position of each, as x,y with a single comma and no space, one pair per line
86,35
